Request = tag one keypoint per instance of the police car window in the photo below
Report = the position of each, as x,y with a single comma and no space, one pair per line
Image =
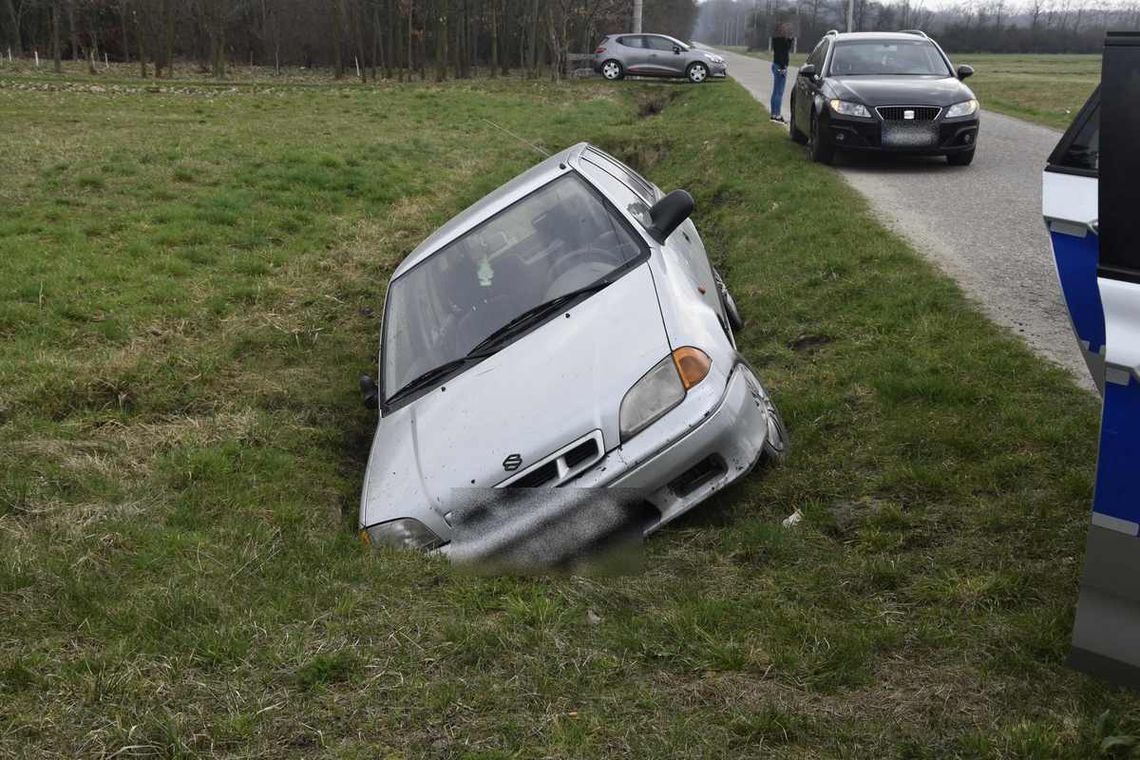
1079,149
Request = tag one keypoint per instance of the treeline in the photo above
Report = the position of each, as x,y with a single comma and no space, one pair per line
365,38
995,26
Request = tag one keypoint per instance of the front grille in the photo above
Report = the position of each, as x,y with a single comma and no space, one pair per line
708,469
560,467
918,113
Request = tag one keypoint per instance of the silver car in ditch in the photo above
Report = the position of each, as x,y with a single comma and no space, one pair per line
565,331
655,55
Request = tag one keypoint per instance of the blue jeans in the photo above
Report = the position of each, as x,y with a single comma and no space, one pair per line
779,77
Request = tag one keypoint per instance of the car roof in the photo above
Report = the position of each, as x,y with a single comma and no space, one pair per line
853,36
492,203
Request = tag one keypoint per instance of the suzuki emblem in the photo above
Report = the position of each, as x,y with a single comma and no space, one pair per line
908,115
512,463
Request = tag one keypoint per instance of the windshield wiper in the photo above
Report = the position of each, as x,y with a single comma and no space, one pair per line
489,345
432,375
536,314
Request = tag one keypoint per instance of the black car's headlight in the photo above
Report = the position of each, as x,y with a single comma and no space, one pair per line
847,108
405,533
660,389
965,108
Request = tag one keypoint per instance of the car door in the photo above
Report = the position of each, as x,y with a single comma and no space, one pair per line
806,87
637,57
684,247
1107,622
1069,204
662,59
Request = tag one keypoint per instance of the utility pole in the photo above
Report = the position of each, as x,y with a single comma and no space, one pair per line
637,16
850,15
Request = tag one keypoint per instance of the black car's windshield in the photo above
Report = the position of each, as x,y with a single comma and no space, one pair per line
557,240
887,57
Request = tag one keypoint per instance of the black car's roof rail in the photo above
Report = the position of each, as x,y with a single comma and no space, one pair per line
919,32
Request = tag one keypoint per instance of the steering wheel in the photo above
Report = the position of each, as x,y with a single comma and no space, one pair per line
589,254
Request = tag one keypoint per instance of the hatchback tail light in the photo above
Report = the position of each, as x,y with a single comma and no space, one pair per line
599,51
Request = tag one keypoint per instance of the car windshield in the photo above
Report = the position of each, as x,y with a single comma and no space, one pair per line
888,57
558,239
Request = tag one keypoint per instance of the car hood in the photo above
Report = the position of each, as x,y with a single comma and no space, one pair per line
549,388
901,90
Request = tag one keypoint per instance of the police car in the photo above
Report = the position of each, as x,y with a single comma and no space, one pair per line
1090,204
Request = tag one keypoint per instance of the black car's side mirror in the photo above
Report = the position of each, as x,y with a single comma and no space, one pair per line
669,213
965,71
370,392
808,70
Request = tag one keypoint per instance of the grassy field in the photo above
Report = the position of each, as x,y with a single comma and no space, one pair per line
189,284
1046,89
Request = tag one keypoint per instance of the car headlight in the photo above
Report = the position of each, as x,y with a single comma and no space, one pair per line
965,108
660,389
405,533
847,108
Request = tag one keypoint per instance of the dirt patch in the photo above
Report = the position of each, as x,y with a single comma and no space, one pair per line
653,103
808,343
641,157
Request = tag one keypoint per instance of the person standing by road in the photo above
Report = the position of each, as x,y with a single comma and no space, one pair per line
782,43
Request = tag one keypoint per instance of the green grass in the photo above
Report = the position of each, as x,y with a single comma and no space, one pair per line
1045,89
188,289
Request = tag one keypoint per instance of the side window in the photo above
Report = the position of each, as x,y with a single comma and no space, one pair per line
817,55
634,41
826,46
617,192
659,43
645,189
1079,149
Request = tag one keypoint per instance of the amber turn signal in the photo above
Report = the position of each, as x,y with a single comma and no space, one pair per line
692,365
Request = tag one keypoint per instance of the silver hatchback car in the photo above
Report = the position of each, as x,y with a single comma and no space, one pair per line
655,55
566,331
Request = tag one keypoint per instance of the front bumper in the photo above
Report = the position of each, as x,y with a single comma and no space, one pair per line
718,69
712,439
679,464
859,134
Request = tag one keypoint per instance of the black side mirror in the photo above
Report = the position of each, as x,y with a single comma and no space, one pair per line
677,49
965,71
370,392
808,70
668,213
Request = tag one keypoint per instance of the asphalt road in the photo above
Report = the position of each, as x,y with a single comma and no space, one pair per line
981,223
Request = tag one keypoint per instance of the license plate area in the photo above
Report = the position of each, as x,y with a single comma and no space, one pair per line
909,135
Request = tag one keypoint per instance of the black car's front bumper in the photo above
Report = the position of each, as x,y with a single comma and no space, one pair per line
854,133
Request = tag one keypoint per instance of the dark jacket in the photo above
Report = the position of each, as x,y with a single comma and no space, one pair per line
781,48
